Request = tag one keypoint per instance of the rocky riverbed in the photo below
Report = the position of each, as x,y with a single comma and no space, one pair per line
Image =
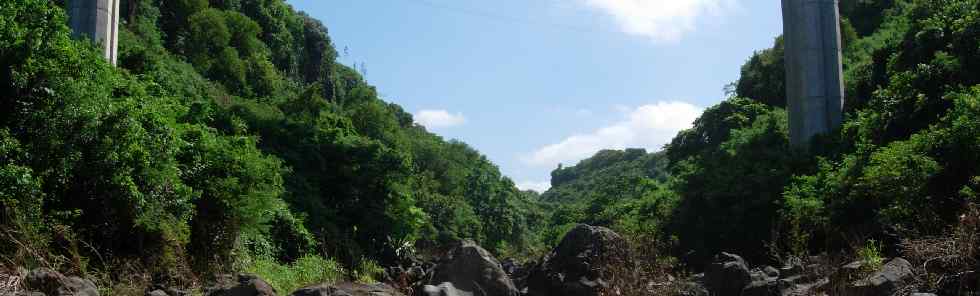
589,261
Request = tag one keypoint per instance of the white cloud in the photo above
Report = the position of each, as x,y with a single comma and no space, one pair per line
648,126
439,118
539,187
660,20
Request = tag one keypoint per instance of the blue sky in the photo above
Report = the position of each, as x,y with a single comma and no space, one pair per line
535,83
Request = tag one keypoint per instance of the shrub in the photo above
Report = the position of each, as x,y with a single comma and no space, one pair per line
22,239
239,190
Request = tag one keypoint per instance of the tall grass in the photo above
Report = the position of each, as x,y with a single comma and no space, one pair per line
368,271
286,278
871,254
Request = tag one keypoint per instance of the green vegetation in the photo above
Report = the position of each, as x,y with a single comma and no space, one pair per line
904,162
625,190
871,255
368,272
307,270
229,139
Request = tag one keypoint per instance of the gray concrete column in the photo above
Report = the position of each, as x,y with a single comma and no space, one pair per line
814,80
98,20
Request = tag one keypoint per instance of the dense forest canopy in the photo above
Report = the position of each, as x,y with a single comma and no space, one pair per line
229,137
227,130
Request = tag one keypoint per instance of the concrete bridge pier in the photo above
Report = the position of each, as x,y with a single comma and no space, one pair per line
814,79
97,20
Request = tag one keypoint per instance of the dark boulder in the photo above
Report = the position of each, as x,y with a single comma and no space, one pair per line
348,289
240,285
727,275
52,283
584,263
471,268
892,276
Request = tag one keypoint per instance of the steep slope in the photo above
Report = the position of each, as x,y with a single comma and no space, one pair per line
228,135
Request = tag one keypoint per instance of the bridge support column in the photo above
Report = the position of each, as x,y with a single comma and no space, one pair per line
98,20
814,80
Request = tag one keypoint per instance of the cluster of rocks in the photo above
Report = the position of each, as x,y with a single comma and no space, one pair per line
730,275
249,285
589,261
581,265
47,282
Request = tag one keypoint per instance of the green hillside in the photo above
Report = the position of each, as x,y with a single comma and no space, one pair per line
905,162
228,135
229,139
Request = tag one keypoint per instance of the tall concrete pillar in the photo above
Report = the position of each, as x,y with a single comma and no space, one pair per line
814,80
98,20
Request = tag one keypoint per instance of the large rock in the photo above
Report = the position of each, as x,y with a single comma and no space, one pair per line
584,264
893,275
348,289
240,285
727,275
52,283
472,269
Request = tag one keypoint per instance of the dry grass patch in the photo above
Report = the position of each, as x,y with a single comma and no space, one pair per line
937,258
